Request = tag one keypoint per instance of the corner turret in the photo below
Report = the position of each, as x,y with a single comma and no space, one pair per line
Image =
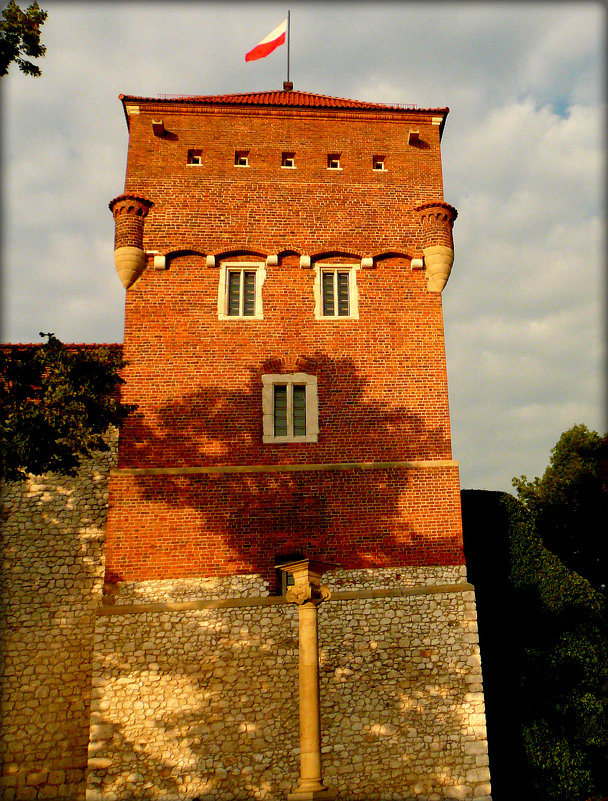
436,221
129,257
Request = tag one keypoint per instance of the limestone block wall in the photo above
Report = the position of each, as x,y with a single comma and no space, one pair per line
51,581
195,690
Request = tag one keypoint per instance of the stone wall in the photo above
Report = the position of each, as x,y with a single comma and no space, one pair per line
195,681
199,698
51,581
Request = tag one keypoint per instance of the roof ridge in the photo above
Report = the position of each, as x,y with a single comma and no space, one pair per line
282,97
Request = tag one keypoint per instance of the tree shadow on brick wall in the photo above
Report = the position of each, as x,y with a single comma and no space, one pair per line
244,521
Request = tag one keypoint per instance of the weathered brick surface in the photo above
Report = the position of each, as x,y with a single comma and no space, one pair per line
197,379
206,525
217,206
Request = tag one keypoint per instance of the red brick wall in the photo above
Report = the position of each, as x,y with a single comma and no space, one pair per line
197,380
214,525
310,209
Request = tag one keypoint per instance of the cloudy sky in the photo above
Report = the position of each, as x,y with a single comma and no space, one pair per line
523,156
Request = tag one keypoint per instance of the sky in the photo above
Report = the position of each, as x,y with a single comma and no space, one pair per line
523,161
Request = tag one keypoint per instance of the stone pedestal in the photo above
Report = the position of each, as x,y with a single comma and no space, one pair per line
309,593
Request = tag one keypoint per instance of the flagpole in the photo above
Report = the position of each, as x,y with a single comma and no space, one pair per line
288,42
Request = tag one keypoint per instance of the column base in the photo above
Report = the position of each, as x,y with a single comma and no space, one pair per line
311,795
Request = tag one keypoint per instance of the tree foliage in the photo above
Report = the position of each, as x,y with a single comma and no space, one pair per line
20,37
570,505
56,405
562,638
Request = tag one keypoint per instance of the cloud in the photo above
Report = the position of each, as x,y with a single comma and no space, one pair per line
523,158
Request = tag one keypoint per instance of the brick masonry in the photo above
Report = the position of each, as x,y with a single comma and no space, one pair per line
197,378
201,702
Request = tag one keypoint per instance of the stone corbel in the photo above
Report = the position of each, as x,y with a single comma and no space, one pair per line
367,262
272,260
305,261
159,261
210,261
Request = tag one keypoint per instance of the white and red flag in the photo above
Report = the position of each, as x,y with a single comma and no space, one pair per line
268,43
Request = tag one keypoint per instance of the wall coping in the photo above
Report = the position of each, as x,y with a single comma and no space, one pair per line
280,468
275,600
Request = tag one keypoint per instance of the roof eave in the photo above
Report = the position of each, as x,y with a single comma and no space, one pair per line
225,101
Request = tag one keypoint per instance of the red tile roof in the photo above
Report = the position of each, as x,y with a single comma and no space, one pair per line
9,347
294,99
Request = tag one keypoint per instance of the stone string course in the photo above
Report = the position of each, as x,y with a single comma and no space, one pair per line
199,589
202,703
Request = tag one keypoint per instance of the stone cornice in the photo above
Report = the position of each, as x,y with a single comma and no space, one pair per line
282,468
274,600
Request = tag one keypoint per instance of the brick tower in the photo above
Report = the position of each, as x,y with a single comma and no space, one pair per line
284,255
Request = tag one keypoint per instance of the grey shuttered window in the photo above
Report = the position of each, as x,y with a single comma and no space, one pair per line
280,410
289,410
335,289
241,293
299,410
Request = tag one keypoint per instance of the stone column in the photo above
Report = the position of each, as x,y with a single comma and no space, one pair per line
309,593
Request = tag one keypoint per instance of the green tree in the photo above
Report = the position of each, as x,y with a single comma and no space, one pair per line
562,660
56,405
20,36
570,503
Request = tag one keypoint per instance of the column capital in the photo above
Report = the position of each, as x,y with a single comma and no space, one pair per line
307,587
311,593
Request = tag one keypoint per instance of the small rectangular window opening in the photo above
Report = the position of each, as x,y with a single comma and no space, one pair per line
335,286
288,160
290,408
287,581
241,158
378,162
241,293
284,581
333,161
195,157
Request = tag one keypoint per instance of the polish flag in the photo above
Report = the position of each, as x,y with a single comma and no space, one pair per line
269,43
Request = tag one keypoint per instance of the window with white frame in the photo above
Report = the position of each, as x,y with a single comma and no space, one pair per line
290,408
335,289
240,290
